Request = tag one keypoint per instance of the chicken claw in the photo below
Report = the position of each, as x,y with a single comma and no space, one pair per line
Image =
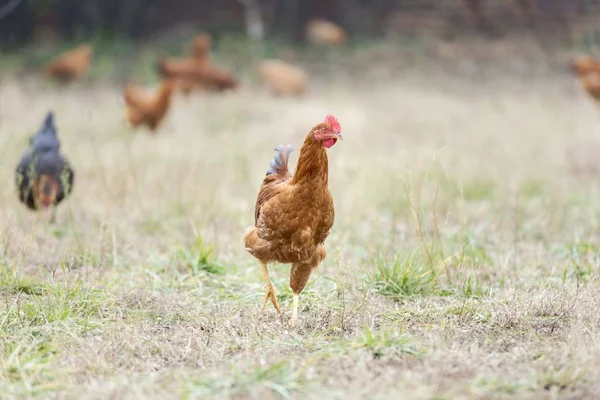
270,294
270,290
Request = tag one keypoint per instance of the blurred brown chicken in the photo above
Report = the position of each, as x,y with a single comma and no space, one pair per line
197,70
191,74
215,79
199,56
181,71
323,32
144,109
201,46
283,78
585,64
591,83
587,70
70,66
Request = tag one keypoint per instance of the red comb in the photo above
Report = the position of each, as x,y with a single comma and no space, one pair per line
333,123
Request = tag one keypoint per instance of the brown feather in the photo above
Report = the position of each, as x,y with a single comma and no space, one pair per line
45,191
71,65
198,69
147,110
294,215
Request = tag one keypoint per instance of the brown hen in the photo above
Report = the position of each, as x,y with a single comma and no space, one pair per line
70,66
149,110
197,70
294,213
587,70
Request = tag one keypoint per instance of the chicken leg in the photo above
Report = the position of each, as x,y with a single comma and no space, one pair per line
53,214
298,279
270,290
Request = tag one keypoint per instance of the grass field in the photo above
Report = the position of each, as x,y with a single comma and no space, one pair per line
463,262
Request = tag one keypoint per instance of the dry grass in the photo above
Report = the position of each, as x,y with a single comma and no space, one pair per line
463,262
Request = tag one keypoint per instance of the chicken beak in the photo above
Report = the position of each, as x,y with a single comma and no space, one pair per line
340,137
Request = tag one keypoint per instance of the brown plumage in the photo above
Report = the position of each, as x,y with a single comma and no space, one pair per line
149,110
185,67
323,32
587,70
180,71
186,85
282,78
215,79
294,213
585,64
591,84
70,66
190,74
174,67
197,70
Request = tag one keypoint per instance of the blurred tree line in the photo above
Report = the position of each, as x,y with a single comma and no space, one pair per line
25,20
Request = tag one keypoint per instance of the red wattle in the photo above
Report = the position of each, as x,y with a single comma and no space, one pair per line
329,142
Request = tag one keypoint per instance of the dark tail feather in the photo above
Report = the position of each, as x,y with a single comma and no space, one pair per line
49,121
47,127
280,164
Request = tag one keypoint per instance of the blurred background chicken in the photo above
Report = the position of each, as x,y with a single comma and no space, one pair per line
215,79
586,64
181,69
587,70
44,177
323,32
294,214
591,84
70,66
197,71
282,78
147,109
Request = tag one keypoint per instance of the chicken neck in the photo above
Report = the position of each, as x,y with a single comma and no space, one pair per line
164,96
312,163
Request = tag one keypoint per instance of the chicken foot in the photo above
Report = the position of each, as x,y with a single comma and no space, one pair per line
270,290
53,214
298,279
